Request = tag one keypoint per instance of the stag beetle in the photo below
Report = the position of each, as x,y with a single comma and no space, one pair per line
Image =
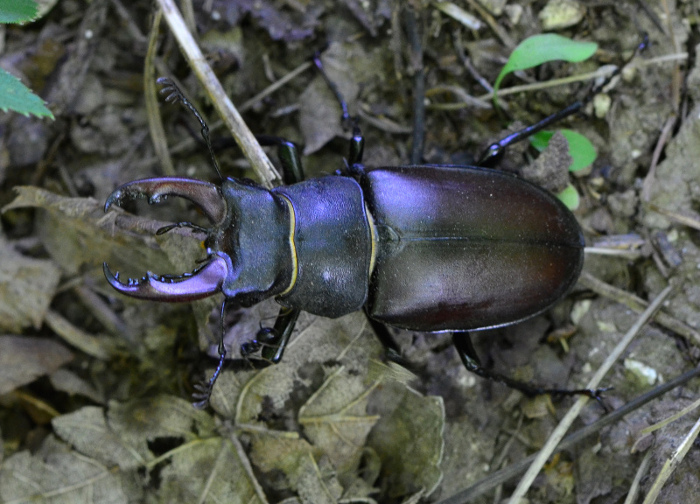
430,248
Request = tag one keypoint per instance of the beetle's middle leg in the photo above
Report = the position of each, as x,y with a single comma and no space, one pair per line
465,349
391,347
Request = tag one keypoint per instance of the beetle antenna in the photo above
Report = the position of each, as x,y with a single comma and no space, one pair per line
349,122
334,88
173,94
204,390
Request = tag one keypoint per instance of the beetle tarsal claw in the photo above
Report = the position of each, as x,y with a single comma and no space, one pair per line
201,283
203,194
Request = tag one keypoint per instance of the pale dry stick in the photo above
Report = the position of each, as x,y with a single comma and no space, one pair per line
673,462
493,24
524,88
459,15
641,472
684,217
651,174
601,72
155,120
571,415
663,423
632,255
259,161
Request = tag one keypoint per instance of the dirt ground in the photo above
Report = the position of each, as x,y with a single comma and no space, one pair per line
95,387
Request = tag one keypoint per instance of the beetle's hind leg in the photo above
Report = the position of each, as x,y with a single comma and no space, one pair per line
465,349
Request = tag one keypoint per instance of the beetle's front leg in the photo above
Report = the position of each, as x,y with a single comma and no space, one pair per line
288,154
463,343
272,341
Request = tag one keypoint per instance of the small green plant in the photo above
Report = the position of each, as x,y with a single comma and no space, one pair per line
535,51
581,149
13,94
539,49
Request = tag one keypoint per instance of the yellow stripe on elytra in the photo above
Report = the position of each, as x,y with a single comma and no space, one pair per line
373,240
292,245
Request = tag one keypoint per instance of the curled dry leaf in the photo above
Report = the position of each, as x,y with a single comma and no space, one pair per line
332,388
77,232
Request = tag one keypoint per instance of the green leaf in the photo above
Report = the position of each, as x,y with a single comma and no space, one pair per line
17,11
569,197
542,48
540,140
16,96
580,148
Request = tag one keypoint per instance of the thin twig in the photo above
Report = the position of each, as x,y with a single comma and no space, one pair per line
641,472
274,86
155,120
535,86
673,462
651,174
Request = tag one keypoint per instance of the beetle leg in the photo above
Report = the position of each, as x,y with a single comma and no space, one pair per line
357,146
288,154
173,95
463,343
391,347
273,341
